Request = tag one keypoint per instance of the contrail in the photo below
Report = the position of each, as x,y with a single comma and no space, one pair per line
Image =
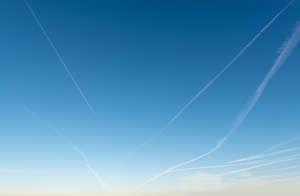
217,166
61,60
84,157
261,165
287,49
244,161
73,146
282,144
261,156
235,58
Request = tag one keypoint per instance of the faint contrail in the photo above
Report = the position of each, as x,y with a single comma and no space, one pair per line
243,161
84,157
287,48
261,165
217,166
282,144
220,73
61,60
261,156
73,146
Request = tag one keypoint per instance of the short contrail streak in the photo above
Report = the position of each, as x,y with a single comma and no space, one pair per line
73,146
287,49
85,159
235,58
61,60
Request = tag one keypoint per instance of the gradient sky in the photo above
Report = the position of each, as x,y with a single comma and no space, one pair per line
138,63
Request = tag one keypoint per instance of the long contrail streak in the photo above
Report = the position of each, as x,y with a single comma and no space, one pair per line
84,157
251,160
235,58
287,49
261,165
217,166
61,60
284,143
261,156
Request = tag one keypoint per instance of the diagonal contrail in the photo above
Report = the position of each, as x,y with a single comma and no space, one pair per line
261,156
235,58
217,166
84,157
287,49
73,146
292,158
284,143
61,60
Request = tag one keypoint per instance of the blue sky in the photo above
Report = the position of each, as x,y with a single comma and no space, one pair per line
138,63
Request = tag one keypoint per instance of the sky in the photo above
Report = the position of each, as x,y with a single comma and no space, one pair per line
93,97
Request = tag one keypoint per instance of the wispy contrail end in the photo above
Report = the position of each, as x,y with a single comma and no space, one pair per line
284,143
217,166
261,156
235,58
61,60
84,157
292,158
287,49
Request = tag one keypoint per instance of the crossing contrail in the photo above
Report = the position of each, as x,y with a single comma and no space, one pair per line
84,157
61,60
287,49
219,74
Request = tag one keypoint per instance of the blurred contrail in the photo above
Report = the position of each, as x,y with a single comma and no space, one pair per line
284,143
292,158
235,58
73,146
61,60
261,156
84,157
217,166
287,48
243,161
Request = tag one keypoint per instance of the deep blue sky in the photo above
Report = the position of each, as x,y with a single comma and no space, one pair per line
138,63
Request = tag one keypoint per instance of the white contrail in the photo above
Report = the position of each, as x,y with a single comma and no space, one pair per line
244,161
288,47
261,165
84,157
61,60
74,147
282,144
235,58
261,156
217,166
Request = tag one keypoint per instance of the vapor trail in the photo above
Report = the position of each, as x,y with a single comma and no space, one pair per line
261,156
235,58
287,48
84,157
61,60
217,166
261,165
243,161
282,144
